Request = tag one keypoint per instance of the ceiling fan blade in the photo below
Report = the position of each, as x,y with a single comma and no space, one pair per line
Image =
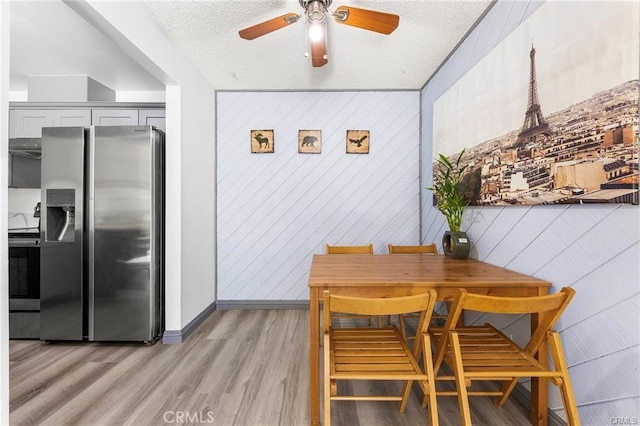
371,20
319,53
268,26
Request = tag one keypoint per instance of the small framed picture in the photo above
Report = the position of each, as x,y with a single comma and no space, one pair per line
262,141
357,141
309,141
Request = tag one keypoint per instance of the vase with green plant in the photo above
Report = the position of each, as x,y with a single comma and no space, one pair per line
450,200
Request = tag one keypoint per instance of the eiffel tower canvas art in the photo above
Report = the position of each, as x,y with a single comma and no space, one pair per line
534,125
584,147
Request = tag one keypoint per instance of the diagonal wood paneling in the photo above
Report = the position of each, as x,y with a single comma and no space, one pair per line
594,249
276,210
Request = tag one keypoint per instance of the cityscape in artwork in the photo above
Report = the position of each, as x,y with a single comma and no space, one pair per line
585,153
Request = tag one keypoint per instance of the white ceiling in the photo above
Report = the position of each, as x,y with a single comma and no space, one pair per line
48,38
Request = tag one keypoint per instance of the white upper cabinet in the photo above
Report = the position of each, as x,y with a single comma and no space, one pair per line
69,118
152,117
28,123
114,117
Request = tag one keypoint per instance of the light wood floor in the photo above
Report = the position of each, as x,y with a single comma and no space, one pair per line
240,367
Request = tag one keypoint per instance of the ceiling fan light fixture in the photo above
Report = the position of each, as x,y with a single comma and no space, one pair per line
316,32
315,12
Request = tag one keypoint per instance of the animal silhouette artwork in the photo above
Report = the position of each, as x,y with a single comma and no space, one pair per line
309,141
262,141
357,141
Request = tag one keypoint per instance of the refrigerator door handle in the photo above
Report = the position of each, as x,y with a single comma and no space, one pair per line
91,273
90,235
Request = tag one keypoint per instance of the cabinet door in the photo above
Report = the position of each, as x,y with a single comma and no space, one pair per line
152,117
72,118
28,123
114,117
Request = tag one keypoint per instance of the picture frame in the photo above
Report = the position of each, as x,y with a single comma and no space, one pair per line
358,141
309,141
262,142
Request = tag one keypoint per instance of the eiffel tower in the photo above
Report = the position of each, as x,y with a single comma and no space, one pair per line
534,122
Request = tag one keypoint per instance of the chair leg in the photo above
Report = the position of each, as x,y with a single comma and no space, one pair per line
461,387
427,359
327,382
506,390
555,346
405,395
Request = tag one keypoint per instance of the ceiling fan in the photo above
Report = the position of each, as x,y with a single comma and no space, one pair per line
315,12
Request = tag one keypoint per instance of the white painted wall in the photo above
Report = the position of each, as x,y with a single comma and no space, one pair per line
276,210
594,249
136,96
4,253
190,180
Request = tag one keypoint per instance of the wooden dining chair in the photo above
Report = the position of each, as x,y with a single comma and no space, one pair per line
381,353
477,353
368,249
428,249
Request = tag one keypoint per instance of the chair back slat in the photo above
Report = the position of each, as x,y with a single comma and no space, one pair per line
425,249
381,306
515,305
368,249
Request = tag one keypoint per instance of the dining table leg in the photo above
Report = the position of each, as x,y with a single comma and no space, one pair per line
314,358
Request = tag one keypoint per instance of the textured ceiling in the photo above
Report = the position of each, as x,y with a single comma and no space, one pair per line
49,38
207,31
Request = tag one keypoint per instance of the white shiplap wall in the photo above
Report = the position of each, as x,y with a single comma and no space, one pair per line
594,249
276,210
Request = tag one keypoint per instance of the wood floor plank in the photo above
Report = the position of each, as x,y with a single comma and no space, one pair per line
240,367
120,390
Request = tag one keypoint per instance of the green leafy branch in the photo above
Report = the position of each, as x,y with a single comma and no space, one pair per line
446,186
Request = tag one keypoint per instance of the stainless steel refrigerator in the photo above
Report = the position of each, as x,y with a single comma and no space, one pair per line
102,233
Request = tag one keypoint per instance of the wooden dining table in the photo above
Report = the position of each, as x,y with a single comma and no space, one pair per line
407,274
